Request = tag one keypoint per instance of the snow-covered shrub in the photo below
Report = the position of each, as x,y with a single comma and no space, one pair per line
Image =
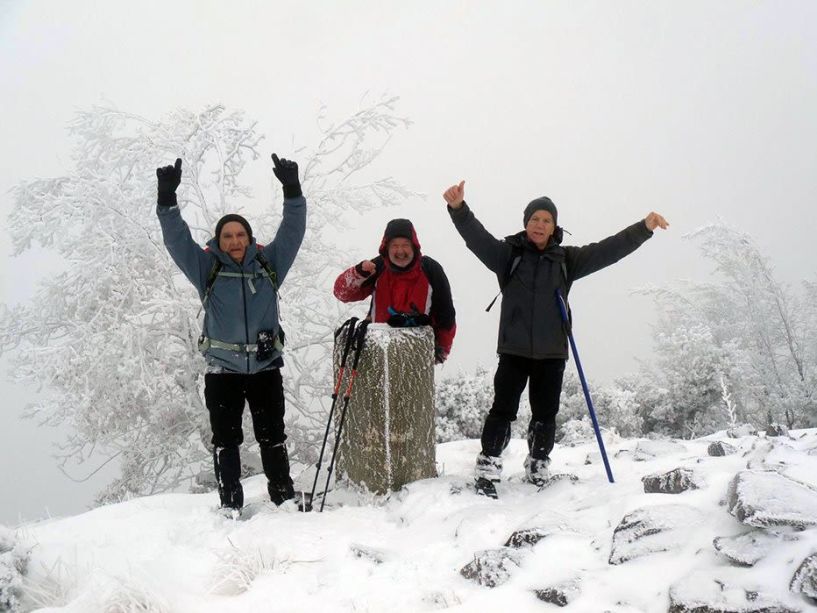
462,402
237,568
13,565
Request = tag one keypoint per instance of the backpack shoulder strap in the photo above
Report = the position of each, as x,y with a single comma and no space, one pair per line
513,264
271,274
211,279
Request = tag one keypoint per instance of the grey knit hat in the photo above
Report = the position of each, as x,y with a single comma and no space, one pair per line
540,204
233,217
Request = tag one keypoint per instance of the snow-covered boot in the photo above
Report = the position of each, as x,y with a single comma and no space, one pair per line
488,467
487,472
537,471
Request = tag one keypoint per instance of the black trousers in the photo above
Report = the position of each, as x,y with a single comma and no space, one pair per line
225,395
544,378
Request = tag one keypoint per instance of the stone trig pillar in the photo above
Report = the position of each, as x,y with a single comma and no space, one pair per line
388,438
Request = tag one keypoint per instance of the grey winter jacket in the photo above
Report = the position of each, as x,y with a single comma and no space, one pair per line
530,324
238,308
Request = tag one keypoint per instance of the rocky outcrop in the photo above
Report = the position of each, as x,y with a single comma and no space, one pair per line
748,549
492,567
561,594
765,499
673,482
653,529
719,449
526,538
777,430
804,580
701,592
741,431
649,449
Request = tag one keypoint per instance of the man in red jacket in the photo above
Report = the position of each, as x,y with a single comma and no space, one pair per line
403,284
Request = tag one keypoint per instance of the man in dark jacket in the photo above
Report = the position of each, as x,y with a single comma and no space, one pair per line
238,280
530,267
403,281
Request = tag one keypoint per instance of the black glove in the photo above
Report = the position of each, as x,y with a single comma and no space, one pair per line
287,173
440,355
169,178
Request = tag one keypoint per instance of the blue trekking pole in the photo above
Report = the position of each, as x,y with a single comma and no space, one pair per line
569,328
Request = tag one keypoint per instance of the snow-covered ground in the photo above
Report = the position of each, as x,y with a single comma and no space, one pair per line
175,553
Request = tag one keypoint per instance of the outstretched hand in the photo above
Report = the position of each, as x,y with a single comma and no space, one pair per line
168,179
654,220
286,170
287,173
455,195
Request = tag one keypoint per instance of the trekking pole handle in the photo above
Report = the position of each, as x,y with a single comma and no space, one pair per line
360,339
350,334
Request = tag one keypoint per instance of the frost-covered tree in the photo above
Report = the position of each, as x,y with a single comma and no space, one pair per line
112,331
759,322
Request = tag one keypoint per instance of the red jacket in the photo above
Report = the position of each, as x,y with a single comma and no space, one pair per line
422,286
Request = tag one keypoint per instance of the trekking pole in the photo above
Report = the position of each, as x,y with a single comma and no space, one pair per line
350,334
569,328
360,337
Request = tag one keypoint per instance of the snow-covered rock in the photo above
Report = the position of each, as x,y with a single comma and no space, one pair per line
777,430
649,449
561,594
527,537
703,592
766,499
673,482
653,529
804,580
741,431
365,552
492,567
749,548
719,449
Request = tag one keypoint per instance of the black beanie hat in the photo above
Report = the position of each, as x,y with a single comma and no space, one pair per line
399,228
233,217
540,204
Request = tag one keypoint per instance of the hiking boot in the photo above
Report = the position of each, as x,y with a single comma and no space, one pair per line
280,492
488,467
537,471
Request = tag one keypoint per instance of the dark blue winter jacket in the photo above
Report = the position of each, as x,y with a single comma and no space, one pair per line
238,308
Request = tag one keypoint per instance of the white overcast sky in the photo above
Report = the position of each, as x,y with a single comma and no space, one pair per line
698,110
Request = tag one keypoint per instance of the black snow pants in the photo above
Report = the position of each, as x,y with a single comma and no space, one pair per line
544,378
225,394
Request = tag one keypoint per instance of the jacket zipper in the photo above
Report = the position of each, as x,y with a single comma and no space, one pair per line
246,323
533,303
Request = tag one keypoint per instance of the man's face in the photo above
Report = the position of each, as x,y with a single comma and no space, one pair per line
401,252
234,240
540,228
